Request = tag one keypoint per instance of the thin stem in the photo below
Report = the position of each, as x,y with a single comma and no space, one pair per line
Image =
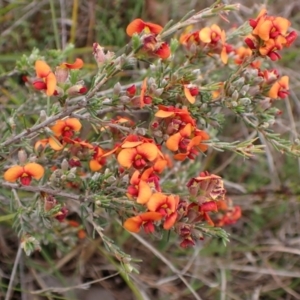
54,24
13,273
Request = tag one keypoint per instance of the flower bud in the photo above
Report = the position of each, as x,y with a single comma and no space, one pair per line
43,116
245,101
76,90
141,131
61,74
235,95
244,89
71,176
99,54
64,165
22,156
117,88
107,101
49,203
240,82
158,92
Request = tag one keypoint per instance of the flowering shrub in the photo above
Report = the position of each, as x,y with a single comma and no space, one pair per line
90,148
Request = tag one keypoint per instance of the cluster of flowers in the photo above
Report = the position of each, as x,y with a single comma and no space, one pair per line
269,35
57,83
141,157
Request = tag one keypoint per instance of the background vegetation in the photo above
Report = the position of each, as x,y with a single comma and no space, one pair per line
262,259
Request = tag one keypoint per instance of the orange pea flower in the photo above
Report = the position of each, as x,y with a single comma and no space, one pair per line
189,39
175,117
253,22
53,142
66,128
230,216
44,71
25,173
138,26
242,53
165,205
194,146
271,47
140,187
153,47
146,220
190,92
215,36
270,27
280,89
137,154
180,139
98,160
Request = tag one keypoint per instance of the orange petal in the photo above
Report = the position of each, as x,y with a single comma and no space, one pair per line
282,24
186,131
34,170
156,201
160,165
135,178
224,55
164,114
164,51
55,143
73,123
42,69
170,221
41,144
13,173
263,30
205,35
188,95
172,202
148,151
215,28
273,92
180,156
51,84
76,65
133,224
131,144
58,127
154,28
136,26
95,165
126,157
145,192
150,216
284,82
172,142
